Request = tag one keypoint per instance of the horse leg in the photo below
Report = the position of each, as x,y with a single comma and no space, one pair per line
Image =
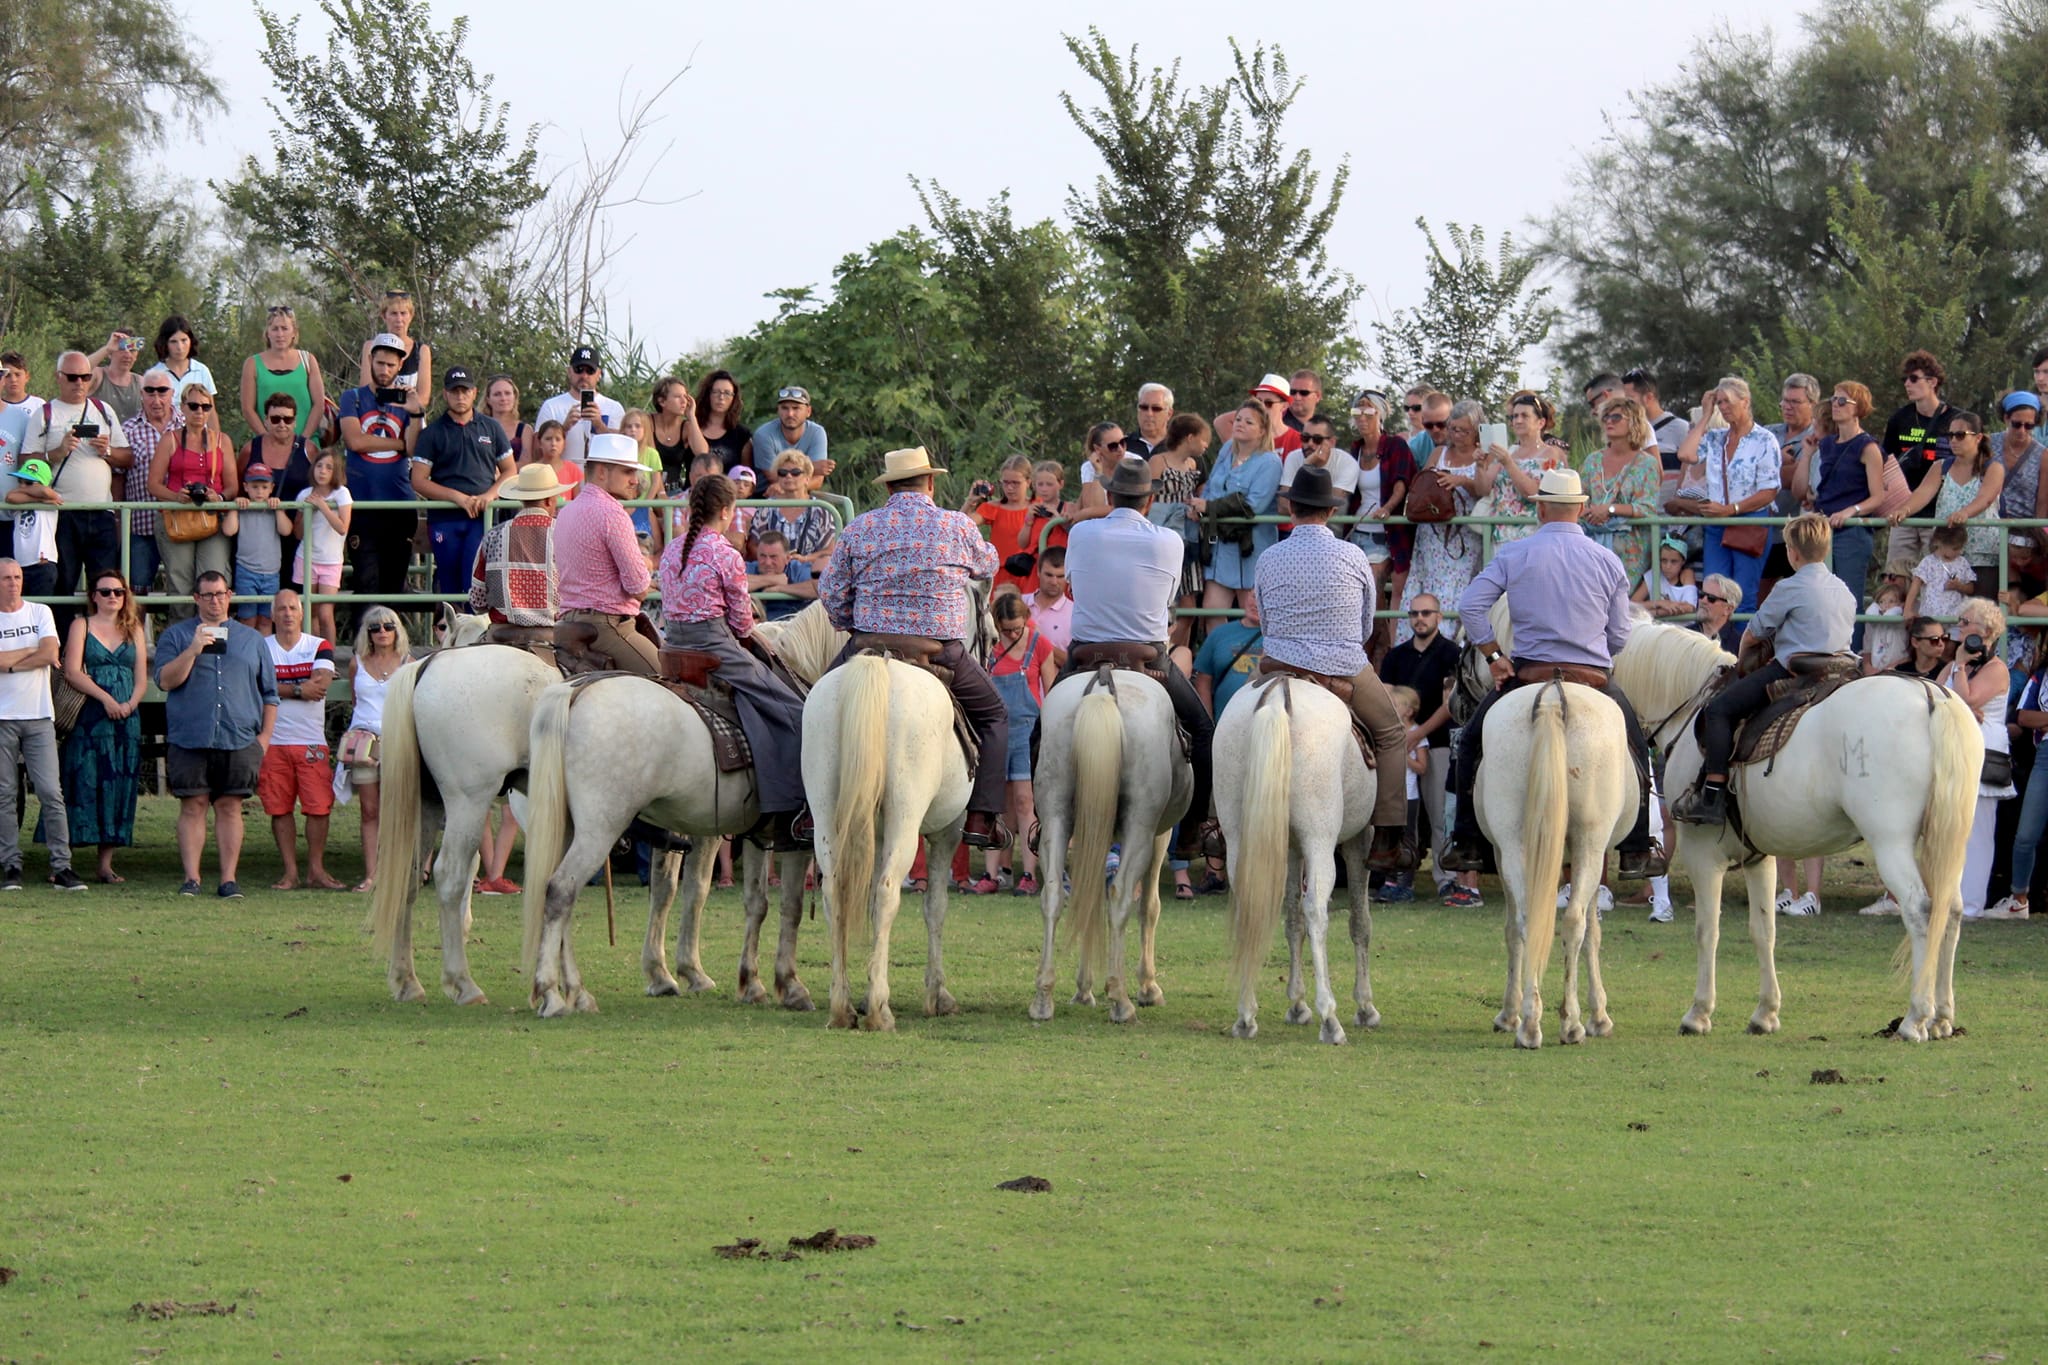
1149,992
1598,1023
404,977
1761,882
687,881
1358,880
1128,887
1901,874
1708,870
1510,1016
1247,1025
454,871
557,986
663,878
1291,910
840,996
1052,863
794,994
1572,930
937,999
1315,904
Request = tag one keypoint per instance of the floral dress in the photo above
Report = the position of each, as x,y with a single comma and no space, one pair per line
1637,486
1982,551
1508,500
1446,556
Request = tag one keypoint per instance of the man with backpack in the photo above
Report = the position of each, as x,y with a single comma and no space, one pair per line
81,439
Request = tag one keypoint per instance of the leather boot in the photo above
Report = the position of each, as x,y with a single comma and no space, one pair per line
1639,864
985,830
1391,850
1703,805
1469,853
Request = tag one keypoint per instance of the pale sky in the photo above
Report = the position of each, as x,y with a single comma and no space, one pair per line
800,122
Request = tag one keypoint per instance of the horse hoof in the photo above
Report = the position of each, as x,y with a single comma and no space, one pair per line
1531,1039
1245,1028
469,993
1041,1007
1911,1032
1571,1034
409,992
754,993
586,1003
663,985
1151,995
1764,1021
1602,1027
942,1004
797,999
1299,1013
1696,1025
1942,1028
881,1020
1368,1017
1506,1023
1332,1032
1122,1012
842,1017
552,1006
1084,998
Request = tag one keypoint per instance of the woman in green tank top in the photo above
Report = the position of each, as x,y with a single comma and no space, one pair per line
281,367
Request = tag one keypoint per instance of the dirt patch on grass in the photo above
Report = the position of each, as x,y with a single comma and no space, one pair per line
831,1239
1028,1184
163,1310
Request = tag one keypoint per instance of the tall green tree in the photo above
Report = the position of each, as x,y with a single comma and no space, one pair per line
391,163
1480,318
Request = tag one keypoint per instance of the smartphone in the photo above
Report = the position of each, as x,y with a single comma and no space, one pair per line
85,431
1493,434
394,398
589,397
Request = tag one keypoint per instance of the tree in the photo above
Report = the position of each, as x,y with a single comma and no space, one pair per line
391,163
82,87
1480,318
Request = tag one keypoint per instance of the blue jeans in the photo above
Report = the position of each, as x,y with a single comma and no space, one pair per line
142,562
2026,840
1851,564
456,542
1747,570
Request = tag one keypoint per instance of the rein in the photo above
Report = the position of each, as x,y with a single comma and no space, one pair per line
1655,733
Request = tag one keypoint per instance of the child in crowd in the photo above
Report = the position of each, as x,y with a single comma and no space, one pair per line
259,528
1407,701
1679,594
324,527
35,527
550,439
1022,670
1943,580
1885,645
1009,523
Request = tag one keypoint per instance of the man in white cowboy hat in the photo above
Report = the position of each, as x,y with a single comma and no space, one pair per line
900,570
1316,602
1568,597
514,579
603,575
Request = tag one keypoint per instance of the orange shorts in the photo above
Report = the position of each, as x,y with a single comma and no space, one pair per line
297,773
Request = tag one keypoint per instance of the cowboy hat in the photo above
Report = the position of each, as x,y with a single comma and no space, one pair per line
1312,487
1559,485
535,482
609,447
899,466
1133,478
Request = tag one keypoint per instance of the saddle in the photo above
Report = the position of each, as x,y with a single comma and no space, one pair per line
1133,656
714,705
1105,678
1815,678
921,651
1340,688
570,646
1583,674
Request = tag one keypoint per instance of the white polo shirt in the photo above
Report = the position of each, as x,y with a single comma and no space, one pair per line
1124,573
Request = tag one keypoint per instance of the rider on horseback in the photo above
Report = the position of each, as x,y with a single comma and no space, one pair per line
603,572
1568,598
1812,612
1125,571
514,581
705,605
1316,600
900,570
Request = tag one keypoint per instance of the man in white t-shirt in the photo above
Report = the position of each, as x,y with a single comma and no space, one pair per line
16,406
296,768
580,419
1319,447
28,731
81,438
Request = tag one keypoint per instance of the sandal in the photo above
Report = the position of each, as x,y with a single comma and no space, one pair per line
109,878
1183,892
366,884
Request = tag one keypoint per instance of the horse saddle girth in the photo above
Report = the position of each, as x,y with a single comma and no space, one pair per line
1132,656
1815,678
1343,689
919,651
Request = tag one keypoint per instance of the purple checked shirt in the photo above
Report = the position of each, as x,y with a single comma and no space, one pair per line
1568,597
1316,597
900,568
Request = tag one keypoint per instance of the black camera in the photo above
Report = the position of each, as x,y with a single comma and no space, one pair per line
1973,645
1020,565
198,492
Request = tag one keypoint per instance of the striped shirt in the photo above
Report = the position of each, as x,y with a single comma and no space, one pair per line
1316,599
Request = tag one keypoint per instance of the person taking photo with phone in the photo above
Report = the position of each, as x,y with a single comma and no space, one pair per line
582,410
81,439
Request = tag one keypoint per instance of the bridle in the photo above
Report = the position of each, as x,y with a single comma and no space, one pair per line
1655,733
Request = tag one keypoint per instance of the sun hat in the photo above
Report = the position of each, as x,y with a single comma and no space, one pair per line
1559,485
610,447
535,482
901,465
1272,384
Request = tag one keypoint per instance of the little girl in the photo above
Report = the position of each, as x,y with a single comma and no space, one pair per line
1680,593
324,525
550,439
1009,523
1885,646
1022,670
1943,580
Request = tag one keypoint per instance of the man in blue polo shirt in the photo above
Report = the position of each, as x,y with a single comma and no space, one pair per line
464,457
376,426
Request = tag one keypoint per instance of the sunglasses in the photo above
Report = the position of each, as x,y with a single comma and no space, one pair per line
85,378
1423,612
1117,444
1153,407
284,310
1842,400
285,417
398,293
110,592
2017,426
789,473
1435,426
1710,597
1614,416
1965,433
583,369
1317,440
1413,407
1304,393
156,388
383,625
1930,639
199,407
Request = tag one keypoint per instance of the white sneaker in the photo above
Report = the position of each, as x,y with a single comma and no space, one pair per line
1603,901
1973,912
1784,900
2012,907
1806,905
1660,913
1564,895
1883,905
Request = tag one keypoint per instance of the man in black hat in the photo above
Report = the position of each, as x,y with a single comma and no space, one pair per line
1316,602
1124,571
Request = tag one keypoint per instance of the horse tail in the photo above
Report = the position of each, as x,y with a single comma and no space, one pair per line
398,832
863,760
1097,757
1546,812
547,810
1945,826
1259,881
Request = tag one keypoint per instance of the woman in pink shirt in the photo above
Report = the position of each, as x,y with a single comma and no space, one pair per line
705,607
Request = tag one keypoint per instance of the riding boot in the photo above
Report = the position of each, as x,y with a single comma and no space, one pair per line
1392,850
656,838
984,830
1469,850
791,831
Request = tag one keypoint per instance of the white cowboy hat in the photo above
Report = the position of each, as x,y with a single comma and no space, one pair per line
535,482
1560,485
609,447
900,465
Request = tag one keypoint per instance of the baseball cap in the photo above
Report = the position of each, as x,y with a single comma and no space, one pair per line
258,473
1272,384
34,471
582,355
794,393
742,474
457,378
385,341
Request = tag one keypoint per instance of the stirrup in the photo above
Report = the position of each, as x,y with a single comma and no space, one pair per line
1701,805
1634,865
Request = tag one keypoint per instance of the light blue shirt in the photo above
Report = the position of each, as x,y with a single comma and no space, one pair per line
1124,573
1258,478
770,442
1812,612
1568,597
1316,598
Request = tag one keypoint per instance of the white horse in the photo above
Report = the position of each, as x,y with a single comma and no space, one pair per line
1557,784
622,746
454,739
1109,765
1889,759
1291,789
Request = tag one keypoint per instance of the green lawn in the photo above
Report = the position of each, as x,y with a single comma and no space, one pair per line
208,1101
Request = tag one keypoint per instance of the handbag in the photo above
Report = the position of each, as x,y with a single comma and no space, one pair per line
358,749
1997,769
183,525
66,703
1431,498
1897,492
1742,540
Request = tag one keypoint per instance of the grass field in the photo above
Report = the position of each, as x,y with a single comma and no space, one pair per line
219,1102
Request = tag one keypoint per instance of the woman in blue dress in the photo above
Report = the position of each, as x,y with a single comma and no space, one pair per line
106,657
1247,464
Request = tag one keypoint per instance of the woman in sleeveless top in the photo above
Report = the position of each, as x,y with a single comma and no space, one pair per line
382,648
1966,492
501,405
416,370
722,421
1447,555
705,607
107,659
281,367
1517,473
1981,679
1177,475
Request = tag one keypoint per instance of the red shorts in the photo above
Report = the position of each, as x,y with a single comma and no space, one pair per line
296,772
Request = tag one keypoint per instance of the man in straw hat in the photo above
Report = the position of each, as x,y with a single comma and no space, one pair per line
1316,602
603,574
901,570
514,579
1125,573
1568,597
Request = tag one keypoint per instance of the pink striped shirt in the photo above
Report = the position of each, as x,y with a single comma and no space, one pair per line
712,584
597,556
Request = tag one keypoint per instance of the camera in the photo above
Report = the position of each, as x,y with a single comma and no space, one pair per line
1973,645
198,492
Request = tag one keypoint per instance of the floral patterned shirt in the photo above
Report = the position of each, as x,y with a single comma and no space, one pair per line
1753,465
712,584
900,569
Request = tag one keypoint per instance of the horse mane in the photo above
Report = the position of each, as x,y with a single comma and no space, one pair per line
806,641
1662,666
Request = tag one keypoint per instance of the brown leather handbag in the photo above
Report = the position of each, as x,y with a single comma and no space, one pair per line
1430,497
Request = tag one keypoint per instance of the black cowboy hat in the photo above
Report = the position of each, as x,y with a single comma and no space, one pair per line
1312,488
1133,478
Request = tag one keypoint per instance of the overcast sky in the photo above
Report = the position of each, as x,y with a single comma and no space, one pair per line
799,122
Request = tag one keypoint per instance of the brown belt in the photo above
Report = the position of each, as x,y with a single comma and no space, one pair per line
1341,688
1584,674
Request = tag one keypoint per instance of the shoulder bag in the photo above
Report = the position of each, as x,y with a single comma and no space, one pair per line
183,525
1742,540
1430,497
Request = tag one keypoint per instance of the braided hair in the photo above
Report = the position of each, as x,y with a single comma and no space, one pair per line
709,496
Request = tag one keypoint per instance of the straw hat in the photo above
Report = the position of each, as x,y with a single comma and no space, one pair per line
535,482
899,466
1560,485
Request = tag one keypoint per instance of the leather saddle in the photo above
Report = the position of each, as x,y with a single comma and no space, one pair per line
921,651
1132,656
570,646
1340,688
1815,678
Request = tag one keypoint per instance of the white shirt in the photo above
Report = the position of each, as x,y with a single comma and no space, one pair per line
195,373
1124,573
35,533
84,476
1343,471
300,720
25,695
576,437
320,534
